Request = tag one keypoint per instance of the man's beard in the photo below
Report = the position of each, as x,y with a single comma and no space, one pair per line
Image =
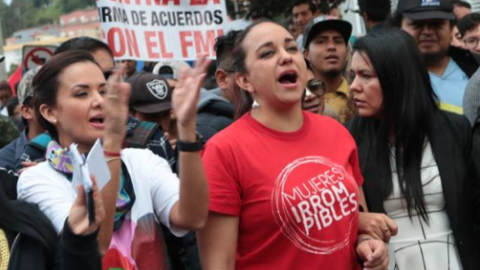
432,59
331,73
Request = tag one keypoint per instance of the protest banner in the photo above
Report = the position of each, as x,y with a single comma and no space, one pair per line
152,30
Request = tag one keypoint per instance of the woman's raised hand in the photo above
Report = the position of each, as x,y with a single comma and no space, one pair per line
186,94
116,108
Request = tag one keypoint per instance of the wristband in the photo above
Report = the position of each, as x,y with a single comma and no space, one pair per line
111,154
196,146
113,159
363,239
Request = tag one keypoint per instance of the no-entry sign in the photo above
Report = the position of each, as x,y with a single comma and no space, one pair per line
36,55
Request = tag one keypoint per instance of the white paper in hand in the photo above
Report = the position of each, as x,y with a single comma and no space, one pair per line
97,165
81,175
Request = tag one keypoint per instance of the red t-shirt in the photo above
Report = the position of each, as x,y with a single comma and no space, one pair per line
296,194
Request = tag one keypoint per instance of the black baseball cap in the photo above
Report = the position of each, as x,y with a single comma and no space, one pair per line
150,93
323,23
426,9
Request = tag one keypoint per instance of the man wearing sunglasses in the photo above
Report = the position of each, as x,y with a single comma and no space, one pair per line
326,50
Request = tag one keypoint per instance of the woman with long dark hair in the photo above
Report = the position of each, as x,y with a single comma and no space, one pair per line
284,183
414,157
75,104
29,241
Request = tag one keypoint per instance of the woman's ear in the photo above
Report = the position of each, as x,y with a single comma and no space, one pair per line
244,83
48,113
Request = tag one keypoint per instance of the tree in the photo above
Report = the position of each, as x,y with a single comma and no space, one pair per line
72,5
22,14
272,9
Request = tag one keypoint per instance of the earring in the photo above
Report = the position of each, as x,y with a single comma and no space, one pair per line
54,121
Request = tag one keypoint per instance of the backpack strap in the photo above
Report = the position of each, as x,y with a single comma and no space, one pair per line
139,133
41,141
35,149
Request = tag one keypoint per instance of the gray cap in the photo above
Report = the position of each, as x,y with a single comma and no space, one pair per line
323,23
25,89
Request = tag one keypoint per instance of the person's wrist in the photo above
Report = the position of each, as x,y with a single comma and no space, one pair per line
363,239
187,133
112,145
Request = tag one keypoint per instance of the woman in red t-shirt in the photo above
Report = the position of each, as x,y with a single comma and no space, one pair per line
284,183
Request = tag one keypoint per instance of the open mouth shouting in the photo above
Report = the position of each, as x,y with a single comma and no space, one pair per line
97,121
288,79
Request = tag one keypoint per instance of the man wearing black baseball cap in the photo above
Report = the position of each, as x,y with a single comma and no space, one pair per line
151,98
325,47
430,23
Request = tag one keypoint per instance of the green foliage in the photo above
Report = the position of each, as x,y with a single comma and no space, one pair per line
274,8
22,14
72,5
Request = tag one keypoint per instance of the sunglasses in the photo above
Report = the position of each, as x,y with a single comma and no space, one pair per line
316,87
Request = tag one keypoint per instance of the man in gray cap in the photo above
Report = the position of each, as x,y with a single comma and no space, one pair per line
430,23
11,154
325,47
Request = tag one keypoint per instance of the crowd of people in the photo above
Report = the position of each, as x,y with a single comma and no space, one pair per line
300,146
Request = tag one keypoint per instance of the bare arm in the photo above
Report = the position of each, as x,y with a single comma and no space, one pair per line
116,114
191,211
217,242
363,202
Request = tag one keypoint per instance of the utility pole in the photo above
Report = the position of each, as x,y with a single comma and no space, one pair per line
3,71
235,5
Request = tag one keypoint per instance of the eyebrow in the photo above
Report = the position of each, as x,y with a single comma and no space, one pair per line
364,70
270,43
82,85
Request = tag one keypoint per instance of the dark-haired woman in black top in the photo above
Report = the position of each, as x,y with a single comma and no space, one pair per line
414,157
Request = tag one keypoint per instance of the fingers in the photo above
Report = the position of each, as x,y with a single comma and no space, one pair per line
392,226
387,234
117,90
378,226
200,70
364,251
201,65
389,228
377,258
184,72
27,164
80,200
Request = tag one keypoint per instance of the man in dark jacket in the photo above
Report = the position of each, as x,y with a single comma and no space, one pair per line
431,24
216,107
